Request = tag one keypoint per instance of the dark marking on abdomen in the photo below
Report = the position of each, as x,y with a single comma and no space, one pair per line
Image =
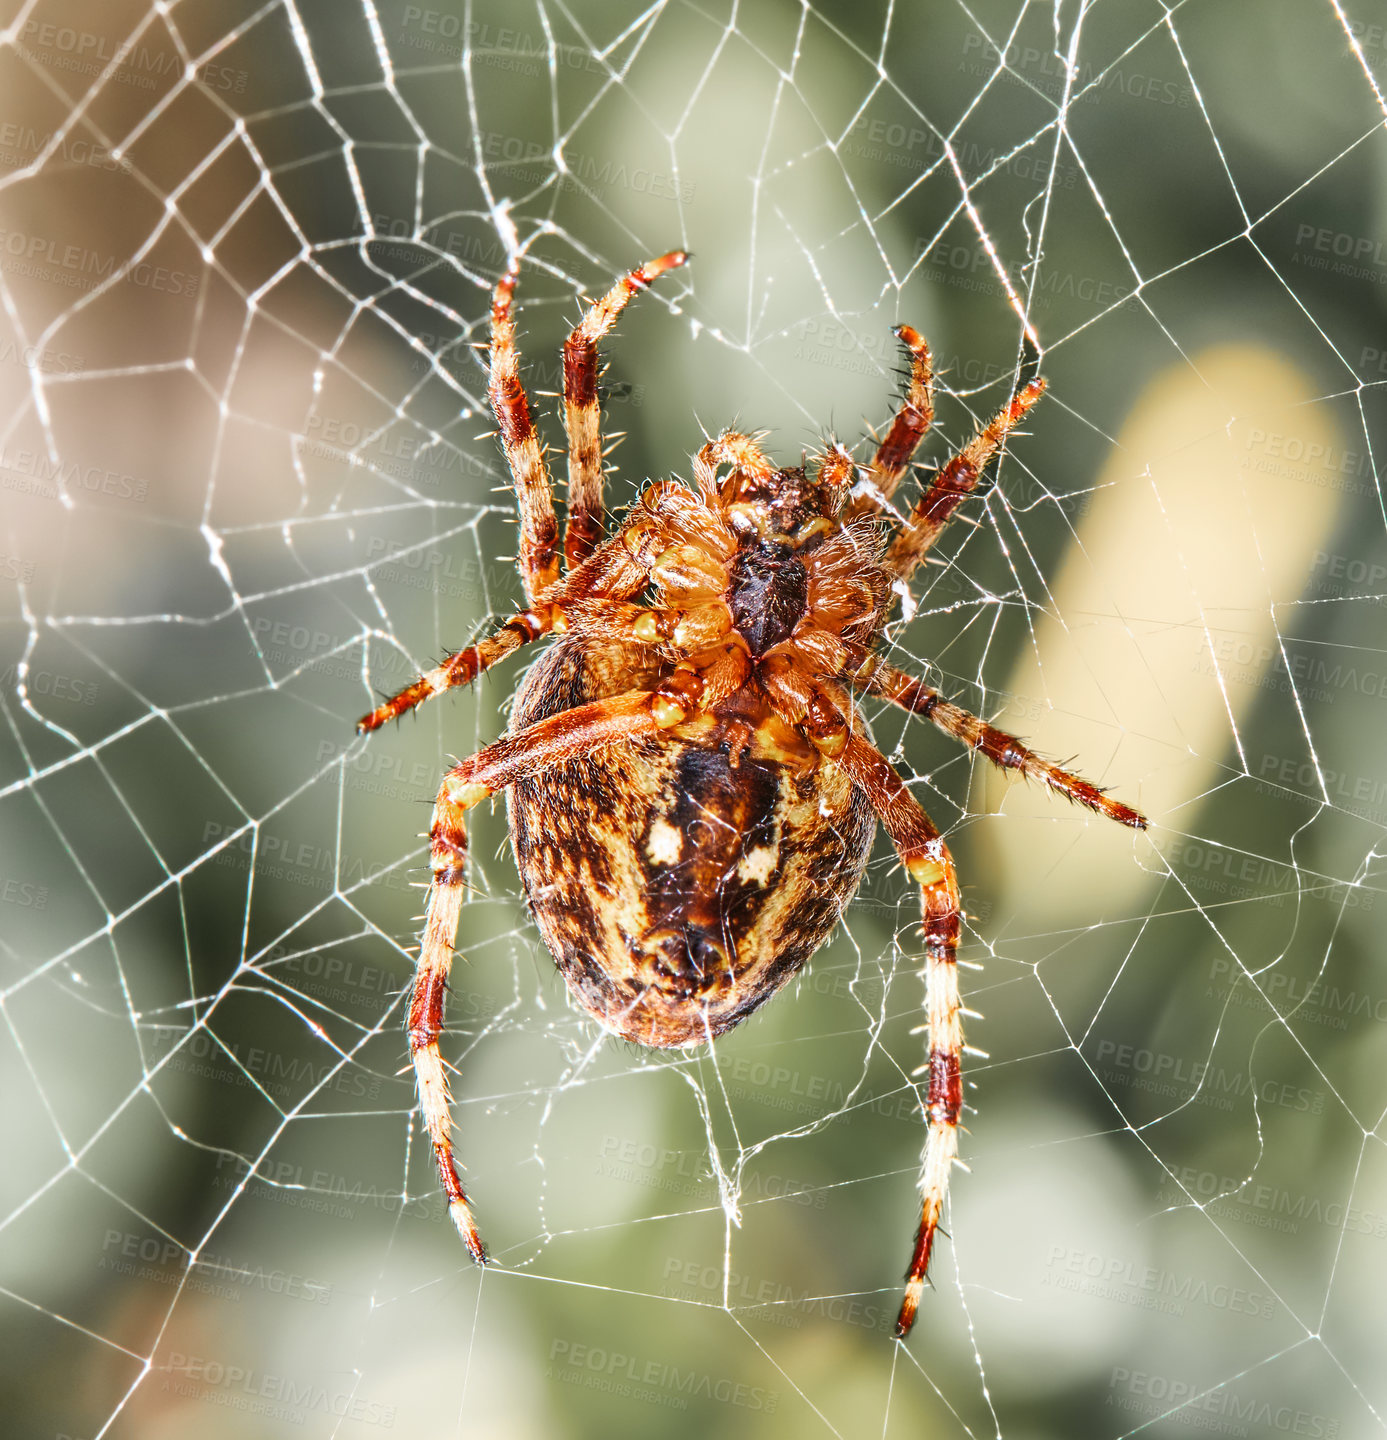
663,946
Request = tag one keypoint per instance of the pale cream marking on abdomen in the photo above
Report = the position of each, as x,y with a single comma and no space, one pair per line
666,844
758,864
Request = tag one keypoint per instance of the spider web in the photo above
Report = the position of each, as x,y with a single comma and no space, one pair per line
245,258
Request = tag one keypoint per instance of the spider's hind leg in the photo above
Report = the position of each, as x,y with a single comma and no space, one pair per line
619,719
819,712
448,862
926,857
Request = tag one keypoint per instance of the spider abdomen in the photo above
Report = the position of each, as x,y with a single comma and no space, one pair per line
681,882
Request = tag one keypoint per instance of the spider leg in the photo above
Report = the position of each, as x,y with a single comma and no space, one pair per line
534,491
618,568
552,741
461,668
1003,750
908,428
926,857
817,709
582,413
956,480
676,631
734,449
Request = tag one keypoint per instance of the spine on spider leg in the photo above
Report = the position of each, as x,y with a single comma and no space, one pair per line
934,872
448,862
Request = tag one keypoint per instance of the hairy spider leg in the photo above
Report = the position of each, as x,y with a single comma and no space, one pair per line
909,426
817,709
582,413
463,667
618,568
534,491
956,480
1003,750
732,448
553,741
926,857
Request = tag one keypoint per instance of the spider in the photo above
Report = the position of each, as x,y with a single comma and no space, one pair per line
692,793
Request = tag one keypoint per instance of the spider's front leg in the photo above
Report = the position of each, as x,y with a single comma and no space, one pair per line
954,482
908,427
552,741
534,491
582,411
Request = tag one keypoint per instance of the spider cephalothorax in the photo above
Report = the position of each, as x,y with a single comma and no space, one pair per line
692,792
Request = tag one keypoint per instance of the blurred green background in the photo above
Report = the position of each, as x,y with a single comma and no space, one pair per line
247,482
